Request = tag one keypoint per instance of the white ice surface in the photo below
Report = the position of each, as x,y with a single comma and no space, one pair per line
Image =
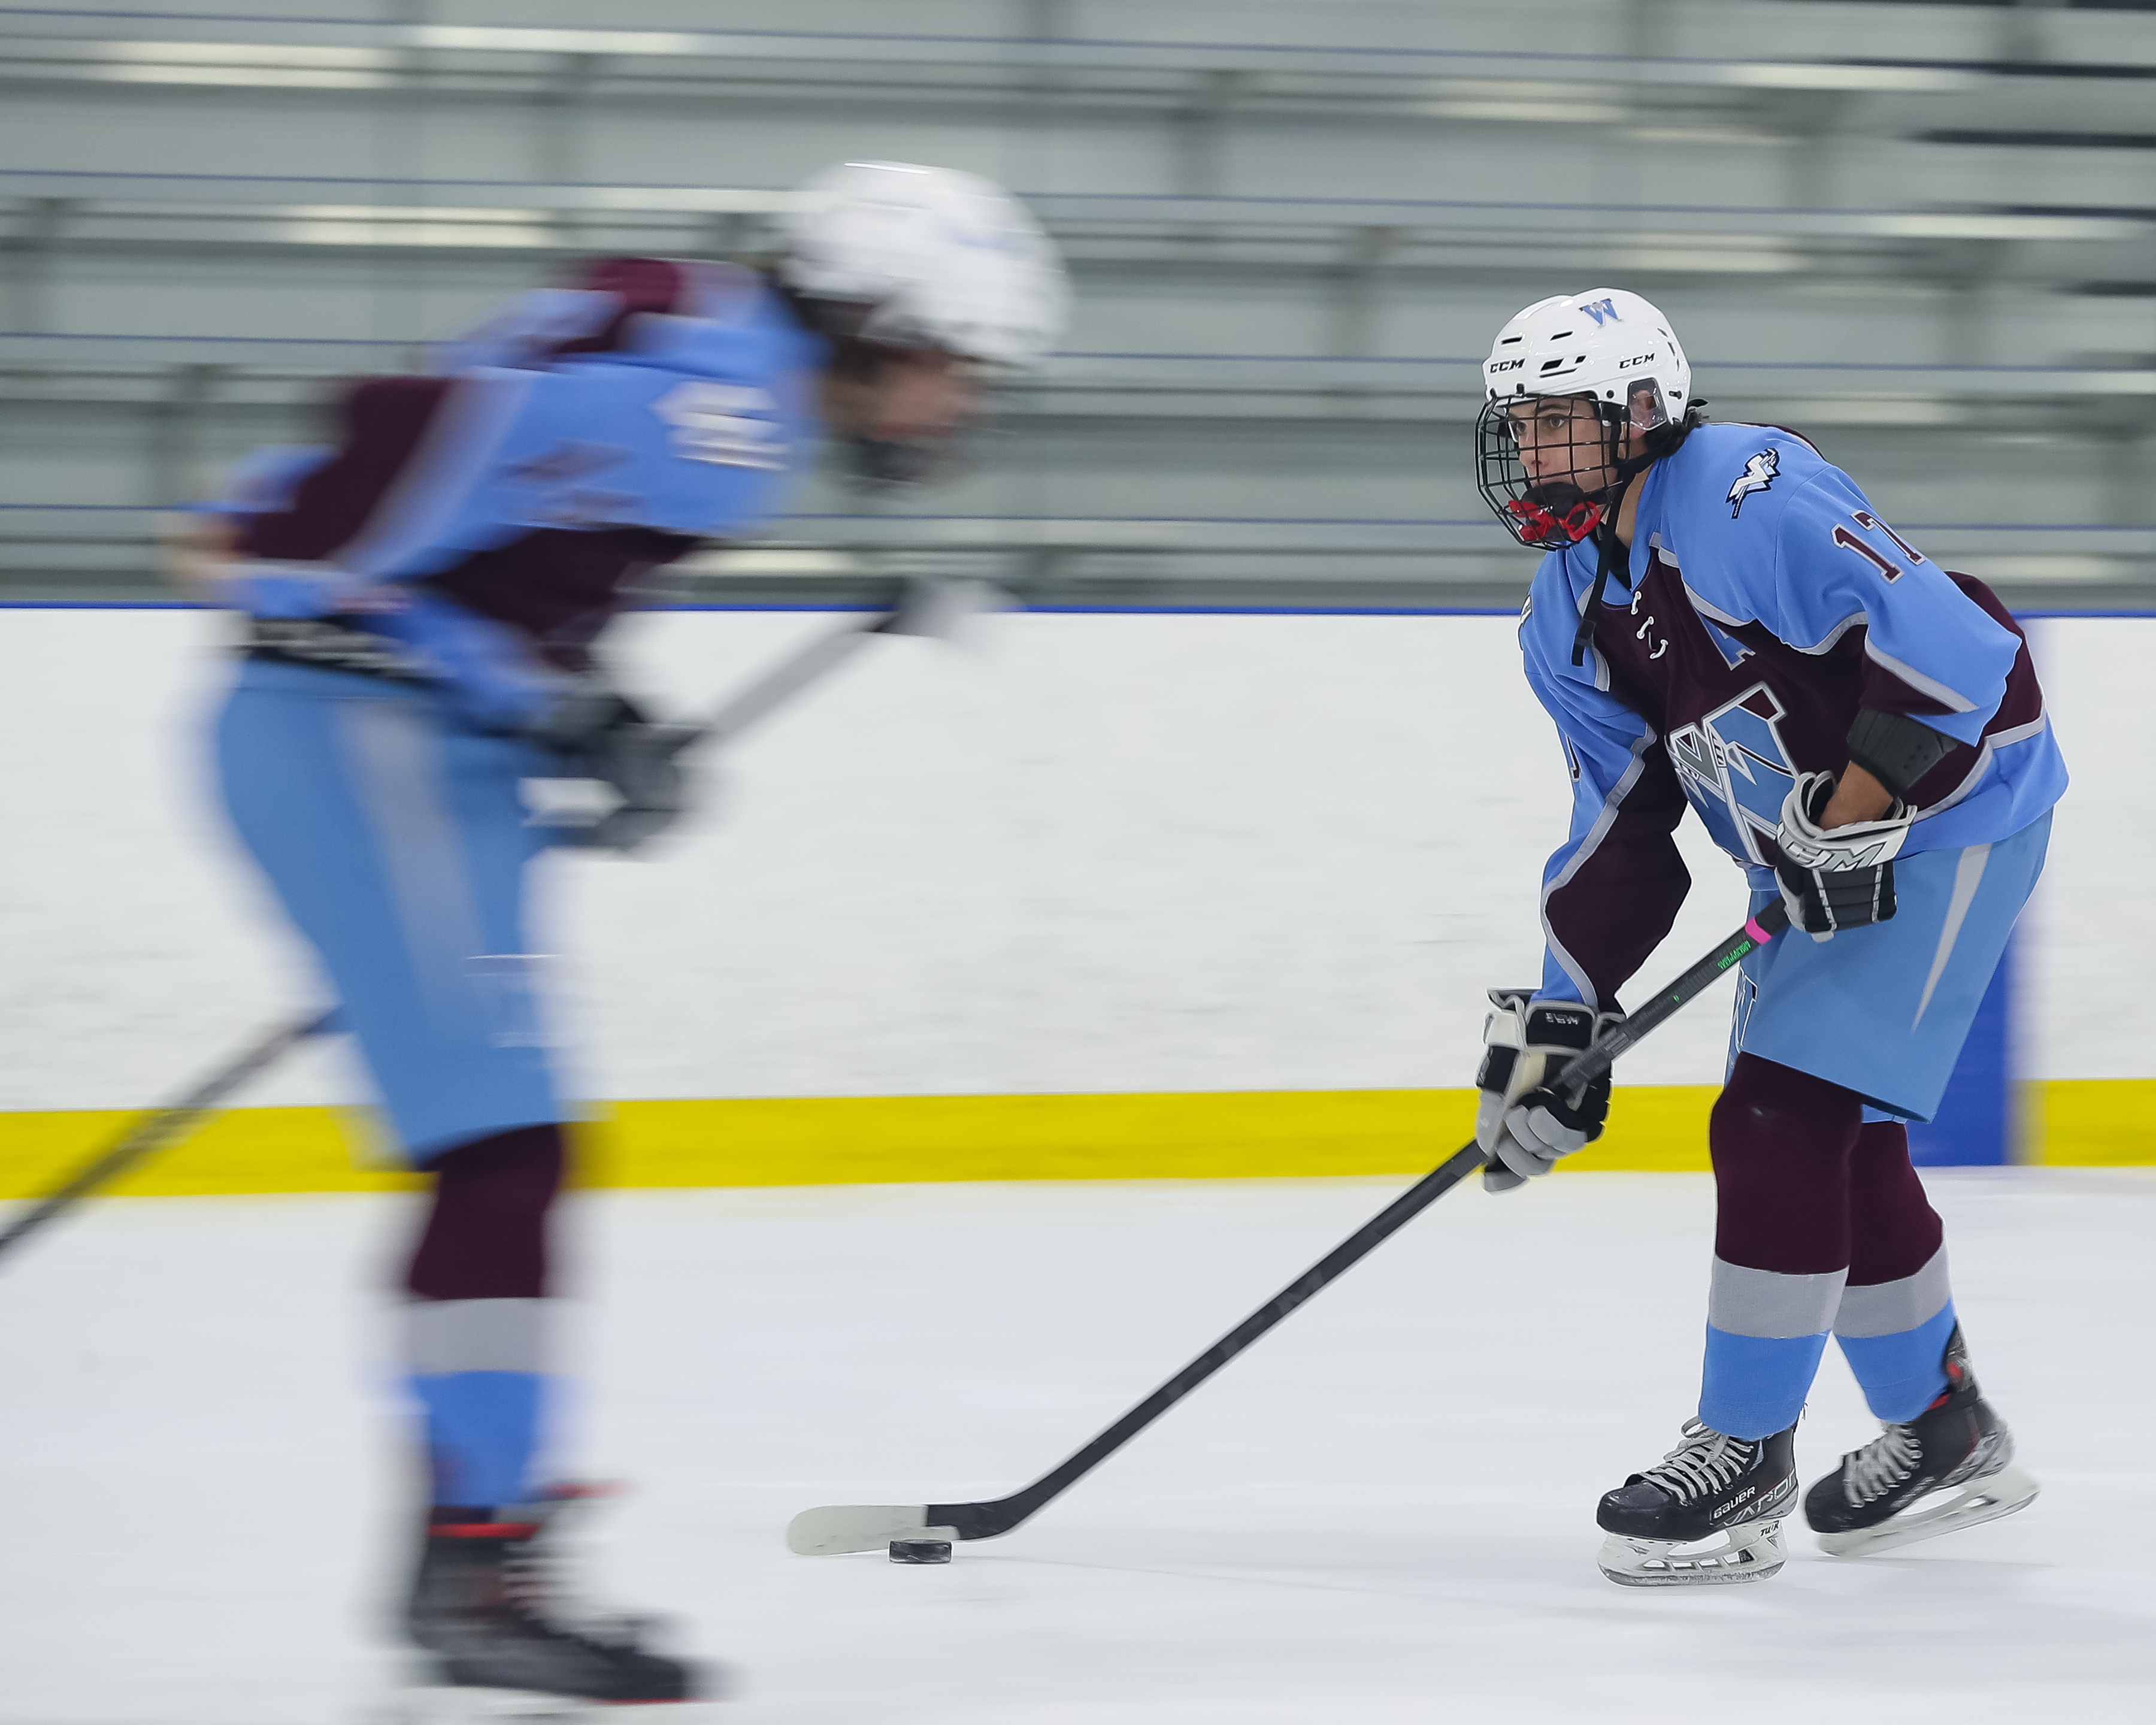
1383,1513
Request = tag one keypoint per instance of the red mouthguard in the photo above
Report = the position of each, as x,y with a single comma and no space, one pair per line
1541,524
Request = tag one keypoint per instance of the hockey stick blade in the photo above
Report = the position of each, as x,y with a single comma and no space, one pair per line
862,1527
848,1527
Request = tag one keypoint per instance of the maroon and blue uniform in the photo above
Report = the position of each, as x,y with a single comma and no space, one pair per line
1769,605
418,595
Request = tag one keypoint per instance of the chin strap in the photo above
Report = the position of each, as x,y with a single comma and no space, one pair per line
1611,557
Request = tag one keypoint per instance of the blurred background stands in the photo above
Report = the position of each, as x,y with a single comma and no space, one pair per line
1924,236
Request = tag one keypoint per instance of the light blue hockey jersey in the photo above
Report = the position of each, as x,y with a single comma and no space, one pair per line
1768,604
577,439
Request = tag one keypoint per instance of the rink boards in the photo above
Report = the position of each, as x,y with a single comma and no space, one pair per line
1100,895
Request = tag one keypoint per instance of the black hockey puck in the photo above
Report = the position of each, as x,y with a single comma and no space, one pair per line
920,1551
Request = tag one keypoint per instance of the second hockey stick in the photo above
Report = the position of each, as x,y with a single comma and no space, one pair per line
925,606
161,1127
844,1528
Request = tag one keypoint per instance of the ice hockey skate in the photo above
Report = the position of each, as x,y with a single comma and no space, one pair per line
497,1644
1879,1497
1708,1512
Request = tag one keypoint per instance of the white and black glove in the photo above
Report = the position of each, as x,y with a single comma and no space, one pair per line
598,735
1841,877
1521,1123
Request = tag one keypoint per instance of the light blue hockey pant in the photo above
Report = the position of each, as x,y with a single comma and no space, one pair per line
397,844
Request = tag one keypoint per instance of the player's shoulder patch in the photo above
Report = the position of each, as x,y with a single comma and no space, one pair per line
1737,473
1759,474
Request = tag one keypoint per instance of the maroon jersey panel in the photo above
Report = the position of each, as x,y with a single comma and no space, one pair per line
1742,712
380,423
1739,713
559,587
1624,895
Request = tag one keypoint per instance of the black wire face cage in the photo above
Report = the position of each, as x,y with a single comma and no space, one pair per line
879,466
1551,513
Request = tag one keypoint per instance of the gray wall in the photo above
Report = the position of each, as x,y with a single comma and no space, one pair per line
1924,234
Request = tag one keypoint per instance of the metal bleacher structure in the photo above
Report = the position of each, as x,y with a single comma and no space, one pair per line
1925,235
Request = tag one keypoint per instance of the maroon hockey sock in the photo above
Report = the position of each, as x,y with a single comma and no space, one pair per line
1893,1230
478,1367
485,1238
1782,1142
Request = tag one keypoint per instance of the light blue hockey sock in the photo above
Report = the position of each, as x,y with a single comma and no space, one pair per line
476,1374
482,1434
1901,1372
1755,1386
1766,1332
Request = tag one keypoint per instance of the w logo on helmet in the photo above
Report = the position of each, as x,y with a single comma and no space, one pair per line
1602,312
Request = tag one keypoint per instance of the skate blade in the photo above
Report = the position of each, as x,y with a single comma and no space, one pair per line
1750,1553
455,1704
1979,1501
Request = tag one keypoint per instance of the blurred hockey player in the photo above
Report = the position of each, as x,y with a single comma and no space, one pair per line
1723,620
423,600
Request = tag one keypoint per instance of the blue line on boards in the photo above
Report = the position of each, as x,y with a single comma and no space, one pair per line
1133,609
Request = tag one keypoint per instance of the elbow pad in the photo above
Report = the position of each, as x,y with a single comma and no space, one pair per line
1895,749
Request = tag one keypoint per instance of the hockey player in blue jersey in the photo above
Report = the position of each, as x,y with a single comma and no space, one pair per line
423,600
1722,621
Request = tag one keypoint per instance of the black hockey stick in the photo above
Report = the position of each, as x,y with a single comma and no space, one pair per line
842,1528
923,607
163,1125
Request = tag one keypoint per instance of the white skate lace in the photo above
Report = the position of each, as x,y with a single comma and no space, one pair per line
535,1573
1704,1461
1884,1463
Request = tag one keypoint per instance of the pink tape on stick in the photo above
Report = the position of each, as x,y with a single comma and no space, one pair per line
1752,929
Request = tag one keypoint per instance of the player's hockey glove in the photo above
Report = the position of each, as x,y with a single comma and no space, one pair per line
596,734
1839,877
1523,1124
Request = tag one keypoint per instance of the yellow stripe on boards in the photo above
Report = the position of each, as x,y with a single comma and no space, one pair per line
2093,1122
1659,1128
1172,1135
832,1141
244,1150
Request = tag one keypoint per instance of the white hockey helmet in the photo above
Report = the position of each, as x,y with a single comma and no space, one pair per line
1605,343
1617,352
936,257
